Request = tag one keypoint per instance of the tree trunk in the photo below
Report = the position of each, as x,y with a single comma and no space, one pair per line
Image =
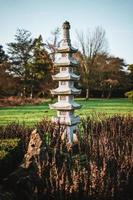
87,93
24,91
102,95
110,92
31,92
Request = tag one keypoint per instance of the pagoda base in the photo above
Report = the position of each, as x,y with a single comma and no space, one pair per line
68,129
65,105
66,120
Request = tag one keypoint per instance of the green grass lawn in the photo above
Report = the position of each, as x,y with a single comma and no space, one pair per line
30,114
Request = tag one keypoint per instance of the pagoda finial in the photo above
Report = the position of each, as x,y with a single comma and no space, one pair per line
66,35
66,25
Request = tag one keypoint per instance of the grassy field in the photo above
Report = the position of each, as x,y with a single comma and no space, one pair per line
30,114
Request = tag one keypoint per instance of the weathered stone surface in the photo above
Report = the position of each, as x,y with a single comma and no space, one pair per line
35,152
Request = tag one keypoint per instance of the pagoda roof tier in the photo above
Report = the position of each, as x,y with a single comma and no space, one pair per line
65,90
65,76
66,121
66,49
66,61
65,106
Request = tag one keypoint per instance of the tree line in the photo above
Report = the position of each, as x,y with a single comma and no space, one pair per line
27,66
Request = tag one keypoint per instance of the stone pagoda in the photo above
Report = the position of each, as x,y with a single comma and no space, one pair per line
65,106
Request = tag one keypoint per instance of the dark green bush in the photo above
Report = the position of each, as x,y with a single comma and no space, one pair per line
15,130
11,155
129,95
14,139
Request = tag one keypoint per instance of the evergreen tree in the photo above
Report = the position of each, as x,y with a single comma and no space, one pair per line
7,81
30,62
20,55
40,68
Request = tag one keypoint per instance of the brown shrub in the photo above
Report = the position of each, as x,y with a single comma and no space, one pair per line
100,166
18,101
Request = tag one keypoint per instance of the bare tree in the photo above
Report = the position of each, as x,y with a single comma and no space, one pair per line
53,43
90,46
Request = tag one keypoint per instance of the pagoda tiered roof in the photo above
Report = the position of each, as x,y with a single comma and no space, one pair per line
66,49
65,76
65,90
65,105
66,61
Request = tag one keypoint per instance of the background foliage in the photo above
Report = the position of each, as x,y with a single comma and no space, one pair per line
28,65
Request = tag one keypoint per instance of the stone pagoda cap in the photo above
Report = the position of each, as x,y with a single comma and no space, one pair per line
66,61
65,46
66,25
65,105
65,90
65,76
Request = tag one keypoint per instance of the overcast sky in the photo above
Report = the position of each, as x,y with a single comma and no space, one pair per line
43,16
